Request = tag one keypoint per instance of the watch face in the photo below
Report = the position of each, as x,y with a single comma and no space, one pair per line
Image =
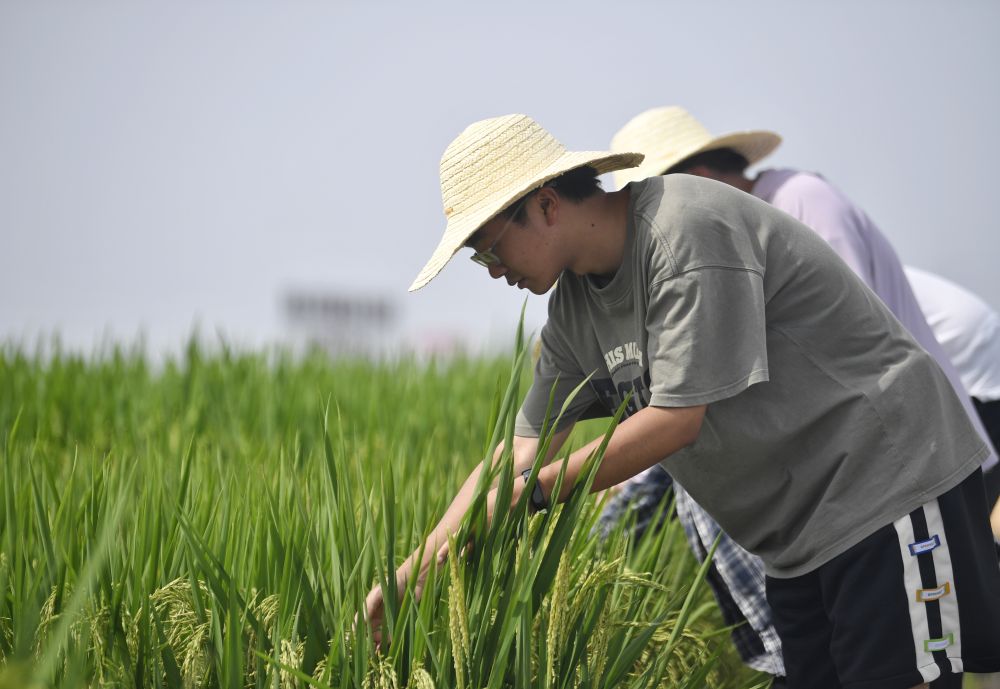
537,498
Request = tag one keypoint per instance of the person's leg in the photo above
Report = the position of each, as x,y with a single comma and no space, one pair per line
991,480
918,600
735,577
995,524
800,617
737,580
989,414
950,680
847,623
974,564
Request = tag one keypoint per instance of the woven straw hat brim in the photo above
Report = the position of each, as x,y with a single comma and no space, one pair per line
462,225
753,145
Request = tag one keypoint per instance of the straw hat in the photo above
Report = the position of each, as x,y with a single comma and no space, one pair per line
669,135
492,164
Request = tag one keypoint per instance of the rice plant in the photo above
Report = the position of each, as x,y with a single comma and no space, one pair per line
217,520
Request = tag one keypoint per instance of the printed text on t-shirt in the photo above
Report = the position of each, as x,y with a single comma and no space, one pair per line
629,352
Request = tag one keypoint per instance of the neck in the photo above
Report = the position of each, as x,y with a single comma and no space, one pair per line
741,182
599,233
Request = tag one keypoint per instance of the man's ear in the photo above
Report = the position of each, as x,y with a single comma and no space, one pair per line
548,202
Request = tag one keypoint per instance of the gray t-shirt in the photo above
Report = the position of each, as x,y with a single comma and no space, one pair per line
825,420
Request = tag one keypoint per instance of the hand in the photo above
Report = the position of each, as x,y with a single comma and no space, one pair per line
375,600
375,614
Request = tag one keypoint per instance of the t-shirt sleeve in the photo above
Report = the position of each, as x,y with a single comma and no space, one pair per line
555,370
817,204
706,336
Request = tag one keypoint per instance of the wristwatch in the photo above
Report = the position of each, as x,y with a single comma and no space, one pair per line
537,499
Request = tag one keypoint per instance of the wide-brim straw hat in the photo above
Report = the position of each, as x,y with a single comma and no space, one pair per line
492,164
670,134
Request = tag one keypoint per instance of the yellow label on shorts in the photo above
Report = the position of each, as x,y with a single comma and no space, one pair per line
927,595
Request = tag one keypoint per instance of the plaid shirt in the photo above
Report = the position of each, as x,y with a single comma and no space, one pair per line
736,577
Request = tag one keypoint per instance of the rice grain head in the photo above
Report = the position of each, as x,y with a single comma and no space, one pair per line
558,614
420,679
319,670
96,621
598,646
187,637
458,622
290,655
381,676
689,654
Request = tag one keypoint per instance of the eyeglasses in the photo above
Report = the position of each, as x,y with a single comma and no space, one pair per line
486,257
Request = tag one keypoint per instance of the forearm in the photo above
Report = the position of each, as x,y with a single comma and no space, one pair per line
524,451
447,526
638,443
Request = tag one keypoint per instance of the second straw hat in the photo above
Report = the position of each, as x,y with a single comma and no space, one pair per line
670,134
491,165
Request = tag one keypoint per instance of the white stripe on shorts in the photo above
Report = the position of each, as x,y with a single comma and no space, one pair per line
950,623
937,545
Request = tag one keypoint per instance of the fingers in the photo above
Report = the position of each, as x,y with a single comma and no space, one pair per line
374,603
442,553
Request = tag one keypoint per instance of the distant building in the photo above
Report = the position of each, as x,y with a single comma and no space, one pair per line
339,323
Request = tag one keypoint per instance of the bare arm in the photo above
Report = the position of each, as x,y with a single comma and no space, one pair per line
524,456
436,544
638,443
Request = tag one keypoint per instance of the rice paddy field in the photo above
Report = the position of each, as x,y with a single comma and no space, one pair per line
216,520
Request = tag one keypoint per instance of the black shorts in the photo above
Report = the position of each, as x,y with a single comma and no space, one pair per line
918,599
989,414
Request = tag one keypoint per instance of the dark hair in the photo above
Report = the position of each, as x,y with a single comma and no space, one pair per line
719,160
576,185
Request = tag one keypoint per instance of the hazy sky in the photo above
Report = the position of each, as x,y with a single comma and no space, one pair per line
170,164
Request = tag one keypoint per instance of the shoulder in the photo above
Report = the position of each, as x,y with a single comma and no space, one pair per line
687,200
793,178
686,222
807,187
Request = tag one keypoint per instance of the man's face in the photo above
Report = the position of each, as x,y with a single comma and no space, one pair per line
524,254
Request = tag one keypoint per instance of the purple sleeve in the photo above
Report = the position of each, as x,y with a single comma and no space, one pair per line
816,203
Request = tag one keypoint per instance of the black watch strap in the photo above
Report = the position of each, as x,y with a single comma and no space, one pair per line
537,499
